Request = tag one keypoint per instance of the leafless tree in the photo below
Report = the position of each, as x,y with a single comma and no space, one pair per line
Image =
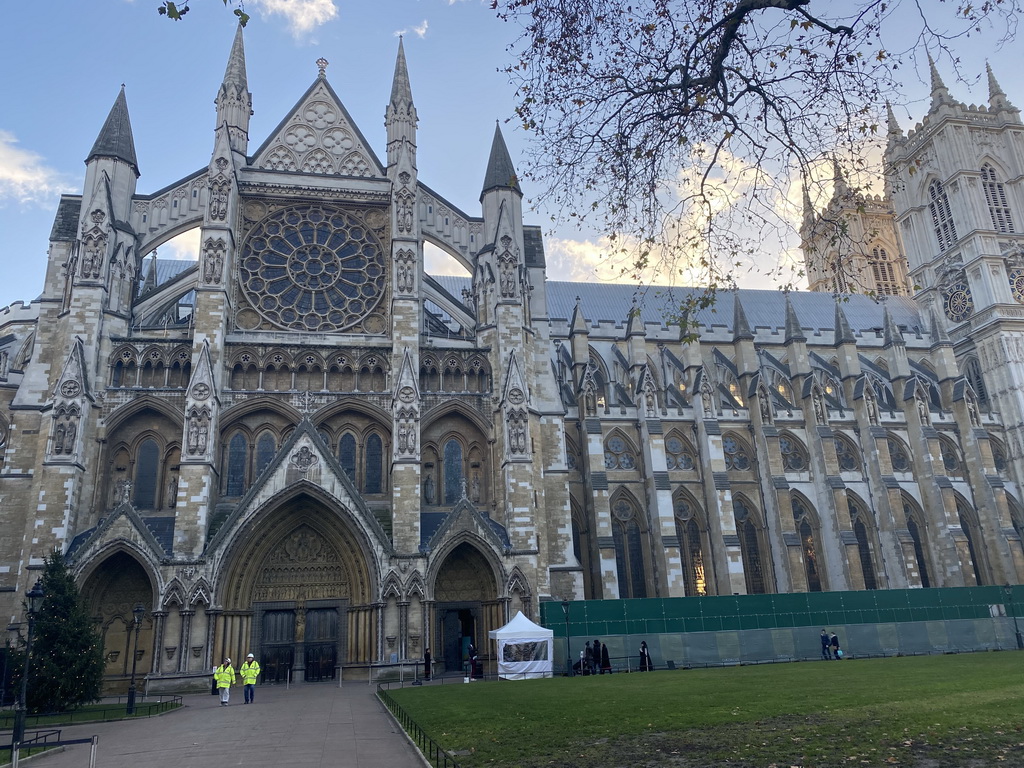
676,128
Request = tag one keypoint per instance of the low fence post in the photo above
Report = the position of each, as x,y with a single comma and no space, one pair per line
92,751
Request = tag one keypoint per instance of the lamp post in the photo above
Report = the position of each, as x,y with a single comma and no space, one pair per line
568,652
34,601
1016,629
137,613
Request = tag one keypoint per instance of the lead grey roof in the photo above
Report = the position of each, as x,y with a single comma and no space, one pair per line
65,223
766,310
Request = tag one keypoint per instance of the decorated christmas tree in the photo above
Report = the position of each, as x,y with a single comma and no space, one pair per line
66,669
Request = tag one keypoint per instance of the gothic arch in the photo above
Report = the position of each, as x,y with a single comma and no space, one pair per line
173,595
333,555
201,594
454,407
253,405
391,587
139,405
918,529
754,549
808,529
479,546
977,549
631,538
694,542
865,530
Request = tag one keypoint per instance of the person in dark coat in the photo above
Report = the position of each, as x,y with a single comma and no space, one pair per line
834,642
597,656
825,652
588,660
606,664
645,657
426,664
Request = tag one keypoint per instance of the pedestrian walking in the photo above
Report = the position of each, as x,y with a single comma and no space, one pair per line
606,663
836,652
825,653
225,677
645,657
426,664
249,671
588,660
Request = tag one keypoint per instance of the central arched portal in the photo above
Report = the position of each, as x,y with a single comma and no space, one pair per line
299,595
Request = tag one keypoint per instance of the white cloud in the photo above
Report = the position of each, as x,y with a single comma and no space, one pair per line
184,247
303,15
24,176
420,30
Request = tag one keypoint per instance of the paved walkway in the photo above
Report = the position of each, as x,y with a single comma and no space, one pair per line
309,726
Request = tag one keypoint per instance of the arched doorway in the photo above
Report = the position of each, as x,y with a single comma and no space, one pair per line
111,591
299,594
466,606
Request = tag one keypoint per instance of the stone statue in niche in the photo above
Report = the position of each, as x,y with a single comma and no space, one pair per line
213,261
820,411
428,489
198,433
172,491
764,402
590,402
475,488
651,406
871,405
219,199
972,411
922,409
707,400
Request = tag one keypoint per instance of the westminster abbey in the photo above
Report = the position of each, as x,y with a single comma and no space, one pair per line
304,445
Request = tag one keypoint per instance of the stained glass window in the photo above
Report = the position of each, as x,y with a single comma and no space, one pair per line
847,455
736,456
629,551
146,468
453,471
266,447
678,456
618,454
750,549
898,455
347,455
237,450
793,457
374,458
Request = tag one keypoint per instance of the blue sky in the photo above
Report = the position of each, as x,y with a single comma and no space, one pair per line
64,65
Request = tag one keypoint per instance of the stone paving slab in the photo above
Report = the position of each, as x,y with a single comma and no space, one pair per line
308,726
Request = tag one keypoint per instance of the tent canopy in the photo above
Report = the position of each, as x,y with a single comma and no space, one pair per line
524,649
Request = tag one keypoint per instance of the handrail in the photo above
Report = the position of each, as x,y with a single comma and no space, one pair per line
429,748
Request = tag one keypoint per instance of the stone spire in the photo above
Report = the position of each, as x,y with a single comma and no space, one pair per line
808,209
996,97
400,117
578,324
234,102
938,331
740,325
793,330
892,125
940,94
840,188
501,174
115,139
844,333
893,335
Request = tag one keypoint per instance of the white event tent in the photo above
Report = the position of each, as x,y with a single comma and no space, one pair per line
524,649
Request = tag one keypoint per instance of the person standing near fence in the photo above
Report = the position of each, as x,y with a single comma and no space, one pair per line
426,664
834,642
606,663
225,677
645,657
825,653
249,671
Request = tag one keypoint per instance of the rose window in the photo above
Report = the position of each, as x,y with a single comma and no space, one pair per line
312,268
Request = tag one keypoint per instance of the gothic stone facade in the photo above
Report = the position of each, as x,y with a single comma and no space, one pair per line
303,445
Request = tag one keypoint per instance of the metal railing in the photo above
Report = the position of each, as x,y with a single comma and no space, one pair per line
429,748
145,706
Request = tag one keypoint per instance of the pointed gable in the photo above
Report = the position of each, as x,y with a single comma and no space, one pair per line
319,137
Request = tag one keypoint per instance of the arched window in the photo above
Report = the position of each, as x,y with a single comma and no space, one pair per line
898,456
951,458
972,370
735,397
831,388
972,531
995,198
147,468
237,450
860,522
266,447
794,458
942,216
805,527
915,526
737,457
453,471
883,273
778,382
750,548
998,455
629,549
678,455
847,455
347,455
691,546
618,454
374,458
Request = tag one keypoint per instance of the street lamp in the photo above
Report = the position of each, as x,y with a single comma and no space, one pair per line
137,613
1016,630
34,601
568,652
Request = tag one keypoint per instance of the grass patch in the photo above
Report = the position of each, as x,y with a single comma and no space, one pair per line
926,712
87,714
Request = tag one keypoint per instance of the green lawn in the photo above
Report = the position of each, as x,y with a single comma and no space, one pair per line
928,712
